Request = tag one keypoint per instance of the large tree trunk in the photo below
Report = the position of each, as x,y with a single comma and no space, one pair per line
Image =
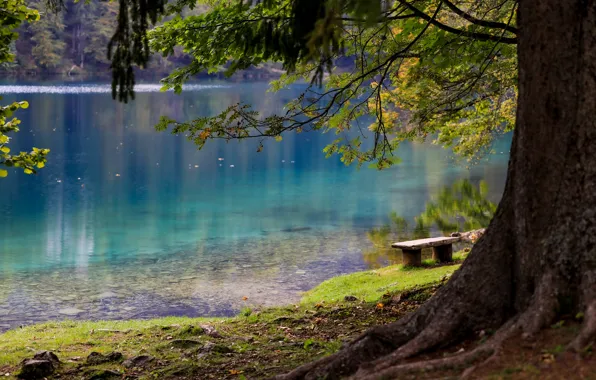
538,256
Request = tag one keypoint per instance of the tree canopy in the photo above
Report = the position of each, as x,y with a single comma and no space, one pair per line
417,69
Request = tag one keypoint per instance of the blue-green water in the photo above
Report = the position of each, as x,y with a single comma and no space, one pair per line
126,222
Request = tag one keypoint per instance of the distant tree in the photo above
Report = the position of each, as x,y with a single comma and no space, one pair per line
12,14
99,32
47,47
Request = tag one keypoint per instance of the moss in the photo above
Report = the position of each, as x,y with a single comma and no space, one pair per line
188,331
371,285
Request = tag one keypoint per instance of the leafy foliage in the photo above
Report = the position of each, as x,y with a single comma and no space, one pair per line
425,68
14,12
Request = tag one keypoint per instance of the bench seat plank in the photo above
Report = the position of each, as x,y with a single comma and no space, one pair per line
425,243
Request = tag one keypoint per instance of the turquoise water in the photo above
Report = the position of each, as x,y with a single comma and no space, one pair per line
126,222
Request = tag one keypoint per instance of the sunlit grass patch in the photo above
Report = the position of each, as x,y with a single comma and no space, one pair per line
370,285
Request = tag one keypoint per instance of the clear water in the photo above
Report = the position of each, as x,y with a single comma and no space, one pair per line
125,222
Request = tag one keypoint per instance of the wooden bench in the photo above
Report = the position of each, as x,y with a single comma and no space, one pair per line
412,250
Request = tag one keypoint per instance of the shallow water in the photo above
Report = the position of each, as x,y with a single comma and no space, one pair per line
125,222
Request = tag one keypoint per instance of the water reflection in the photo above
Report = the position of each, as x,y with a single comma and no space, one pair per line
124,217
460,207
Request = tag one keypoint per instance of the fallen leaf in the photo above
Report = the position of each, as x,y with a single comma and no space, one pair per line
548,358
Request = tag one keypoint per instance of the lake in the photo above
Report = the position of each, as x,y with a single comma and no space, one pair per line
126,222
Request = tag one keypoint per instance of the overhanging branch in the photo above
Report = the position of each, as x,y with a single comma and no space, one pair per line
463,33
477,21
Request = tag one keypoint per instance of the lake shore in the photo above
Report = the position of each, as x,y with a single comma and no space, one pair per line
262,342
353,299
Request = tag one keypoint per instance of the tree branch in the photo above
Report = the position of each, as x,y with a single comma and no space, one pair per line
464,33
474,20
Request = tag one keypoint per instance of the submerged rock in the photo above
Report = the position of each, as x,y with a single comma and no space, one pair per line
296,229
72,311
106,295
96,358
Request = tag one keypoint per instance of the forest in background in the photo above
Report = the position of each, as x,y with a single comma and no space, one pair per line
74,42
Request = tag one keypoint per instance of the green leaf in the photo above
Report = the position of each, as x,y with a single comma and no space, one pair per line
3,173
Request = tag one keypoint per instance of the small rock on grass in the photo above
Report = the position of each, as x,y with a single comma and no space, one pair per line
47,355
184,343
211,347
138,361
350,298
43,364
96,358
103,374
217,348
32,369
211,331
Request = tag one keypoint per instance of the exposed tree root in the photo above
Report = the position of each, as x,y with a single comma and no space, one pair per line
458,361
543,308
432,336
380,352
587,335
588,331
376,342
455,362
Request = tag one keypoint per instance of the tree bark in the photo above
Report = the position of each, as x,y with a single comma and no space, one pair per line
537,258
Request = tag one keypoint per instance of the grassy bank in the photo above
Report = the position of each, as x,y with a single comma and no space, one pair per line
255,344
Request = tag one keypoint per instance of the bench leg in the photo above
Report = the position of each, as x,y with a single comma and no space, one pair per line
443,253
412,257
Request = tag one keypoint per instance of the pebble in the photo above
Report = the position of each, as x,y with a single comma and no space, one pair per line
70,311
107,295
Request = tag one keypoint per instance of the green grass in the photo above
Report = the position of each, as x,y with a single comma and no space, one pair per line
78,337
371,285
